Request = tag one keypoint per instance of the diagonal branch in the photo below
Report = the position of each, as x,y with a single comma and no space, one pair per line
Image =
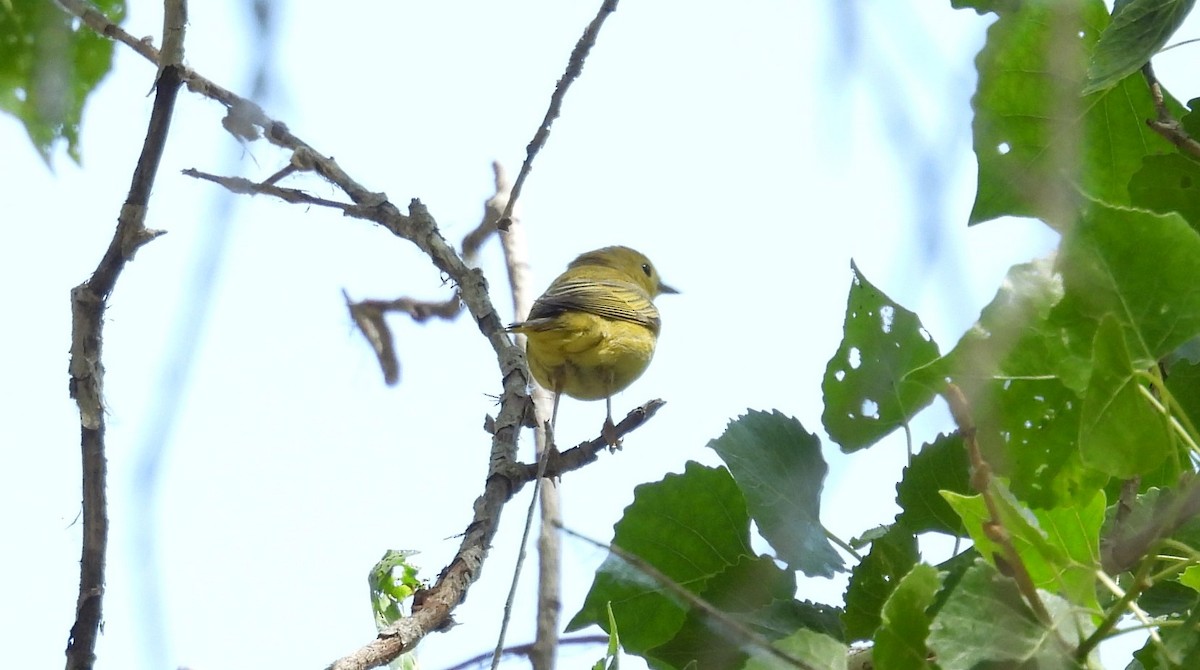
89,302
574,69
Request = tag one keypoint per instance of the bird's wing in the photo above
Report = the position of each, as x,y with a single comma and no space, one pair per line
620,301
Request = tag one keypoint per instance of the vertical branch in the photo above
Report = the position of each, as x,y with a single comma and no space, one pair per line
549,599
89,301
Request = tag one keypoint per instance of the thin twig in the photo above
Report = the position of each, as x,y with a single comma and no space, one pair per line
89,302
747,636
575,458
528,650
574,69
1165,124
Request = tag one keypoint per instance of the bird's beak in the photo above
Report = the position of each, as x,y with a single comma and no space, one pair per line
663,288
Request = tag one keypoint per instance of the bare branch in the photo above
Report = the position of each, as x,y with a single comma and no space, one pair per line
1166,124
89,301
574,69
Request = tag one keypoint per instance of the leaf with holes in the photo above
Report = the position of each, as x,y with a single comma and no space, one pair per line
867,393
1037,140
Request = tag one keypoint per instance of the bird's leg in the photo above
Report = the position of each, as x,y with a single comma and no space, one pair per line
553,420
610,430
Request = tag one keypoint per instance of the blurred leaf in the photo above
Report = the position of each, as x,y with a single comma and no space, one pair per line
1060,547
1121,433
985,620
1180,648
900,639
779,468
1168,183
1136,33
985,6
874,578
49,64
1166,598
1183,381
819,651
783,617
703,515
866,394
1037,141
941,465
703,642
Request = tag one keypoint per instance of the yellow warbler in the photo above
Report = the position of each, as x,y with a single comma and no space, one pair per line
593,331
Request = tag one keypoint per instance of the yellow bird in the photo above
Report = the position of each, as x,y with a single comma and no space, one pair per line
592,333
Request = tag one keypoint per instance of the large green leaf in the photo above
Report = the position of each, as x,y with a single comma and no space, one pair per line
986,623
49,64
1136,33
1038,142
779,468
940,466
1139,267
900,639
1121,432
691,527
866,391
874,579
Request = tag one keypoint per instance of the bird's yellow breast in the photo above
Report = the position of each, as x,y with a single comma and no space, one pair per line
587,356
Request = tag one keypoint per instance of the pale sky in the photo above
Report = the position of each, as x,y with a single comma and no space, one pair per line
751,150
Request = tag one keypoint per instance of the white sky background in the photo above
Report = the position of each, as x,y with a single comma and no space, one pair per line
751,151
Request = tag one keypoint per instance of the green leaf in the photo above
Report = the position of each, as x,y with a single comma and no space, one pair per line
819,651
940,466
49,64
985,620
1191,119
1037,141
1060,547
1120,433
783,617
779,468
748,587
1183,381
393,580
900,639
866,393
1166,598
874,579
1136,33
985,6
1139,267
704,515
1168,183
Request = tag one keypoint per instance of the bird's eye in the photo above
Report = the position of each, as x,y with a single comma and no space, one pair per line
646,269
